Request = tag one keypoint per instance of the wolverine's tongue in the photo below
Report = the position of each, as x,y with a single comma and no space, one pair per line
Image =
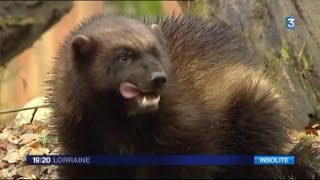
130,91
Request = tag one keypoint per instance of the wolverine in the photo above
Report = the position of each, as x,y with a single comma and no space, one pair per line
179,85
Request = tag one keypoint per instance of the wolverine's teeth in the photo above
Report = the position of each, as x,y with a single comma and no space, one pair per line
144,101
150,101
156,100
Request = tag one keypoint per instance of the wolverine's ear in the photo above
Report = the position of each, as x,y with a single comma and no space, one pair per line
82,46
157,30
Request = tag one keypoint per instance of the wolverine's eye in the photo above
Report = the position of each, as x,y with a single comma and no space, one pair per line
123,58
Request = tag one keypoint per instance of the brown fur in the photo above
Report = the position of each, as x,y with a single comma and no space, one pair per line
215,102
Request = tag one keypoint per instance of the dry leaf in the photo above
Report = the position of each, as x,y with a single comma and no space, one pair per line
12,157
312,129
8,129
45,132
17,176
3,144
10,171
27,128
39,151
2,127
34,144
21,127
28,138
11,147
4,164
49,172
5,132
38,129
24,151
3,136
33,148
55,151
31,171
39,123
2,154
13,137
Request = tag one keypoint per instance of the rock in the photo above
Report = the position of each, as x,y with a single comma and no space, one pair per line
42,114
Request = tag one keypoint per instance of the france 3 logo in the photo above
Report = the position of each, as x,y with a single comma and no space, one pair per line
290,22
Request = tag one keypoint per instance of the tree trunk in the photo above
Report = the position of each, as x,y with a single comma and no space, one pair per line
292,56
23,22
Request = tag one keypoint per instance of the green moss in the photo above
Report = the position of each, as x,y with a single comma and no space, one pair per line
32,3
199,7
306,64
277,69
284,54
138,8
273,69
304,61
43,140
46,140
9,21
285,51
310,136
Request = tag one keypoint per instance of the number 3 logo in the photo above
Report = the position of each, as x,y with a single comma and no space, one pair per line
290,24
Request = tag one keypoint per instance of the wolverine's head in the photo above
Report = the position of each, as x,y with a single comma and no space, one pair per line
123,57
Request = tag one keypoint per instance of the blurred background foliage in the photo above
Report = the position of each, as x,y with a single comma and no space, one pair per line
134,8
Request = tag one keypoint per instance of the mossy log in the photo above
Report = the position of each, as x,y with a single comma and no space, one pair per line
23,22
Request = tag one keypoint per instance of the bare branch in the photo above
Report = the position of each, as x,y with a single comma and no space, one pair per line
23,109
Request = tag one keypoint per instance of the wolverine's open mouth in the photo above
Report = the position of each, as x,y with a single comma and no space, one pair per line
144,98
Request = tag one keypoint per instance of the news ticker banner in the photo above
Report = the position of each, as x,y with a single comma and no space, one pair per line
159,160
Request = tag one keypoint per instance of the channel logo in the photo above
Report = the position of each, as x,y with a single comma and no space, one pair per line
290,22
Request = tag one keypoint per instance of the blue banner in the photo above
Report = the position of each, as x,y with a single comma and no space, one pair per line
145,160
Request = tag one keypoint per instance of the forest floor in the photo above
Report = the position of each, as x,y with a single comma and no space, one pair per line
36,139
26,139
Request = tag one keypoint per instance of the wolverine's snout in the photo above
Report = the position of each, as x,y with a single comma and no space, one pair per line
158,79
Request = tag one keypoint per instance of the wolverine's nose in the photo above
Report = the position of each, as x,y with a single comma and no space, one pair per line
158,78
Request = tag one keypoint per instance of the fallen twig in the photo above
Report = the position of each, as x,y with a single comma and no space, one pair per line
23,109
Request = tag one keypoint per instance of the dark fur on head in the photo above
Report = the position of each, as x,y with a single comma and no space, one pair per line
214,100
